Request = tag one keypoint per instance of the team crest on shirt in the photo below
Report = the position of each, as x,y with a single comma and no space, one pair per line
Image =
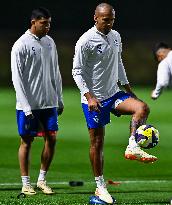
99,49
49,45
116,42
96,119
34,51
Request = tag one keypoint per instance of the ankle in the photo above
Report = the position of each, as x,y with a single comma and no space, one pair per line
42,175
25,180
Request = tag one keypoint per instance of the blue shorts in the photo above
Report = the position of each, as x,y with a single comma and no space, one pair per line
44,120
99,119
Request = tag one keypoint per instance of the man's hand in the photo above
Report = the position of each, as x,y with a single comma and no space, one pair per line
93,104
154,95
29,115
60,110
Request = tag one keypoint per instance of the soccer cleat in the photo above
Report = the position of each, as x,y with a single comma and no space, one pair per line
104,195
96,200
137,154
44,187
28,190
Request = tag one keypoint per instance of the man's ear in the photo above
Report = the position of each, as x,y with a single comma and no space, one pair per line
32,21
95,18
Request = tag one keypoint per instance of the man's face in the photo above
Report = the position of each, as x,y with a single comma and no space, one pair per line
161,54
41,26
104,20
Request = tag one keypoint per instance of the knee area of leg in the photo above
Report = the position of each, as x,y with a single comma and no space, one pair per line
51,136
26,144
144,109
26,140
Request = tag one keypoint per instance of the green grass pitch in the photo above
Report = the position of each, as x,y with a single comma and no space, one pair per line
140,183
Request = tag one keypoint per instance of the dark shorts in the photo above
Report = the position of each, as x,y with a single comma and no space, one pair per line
44,120
99,119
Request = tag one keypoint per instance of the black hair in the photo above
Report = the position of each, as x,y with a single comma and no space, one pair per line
158,46
40,12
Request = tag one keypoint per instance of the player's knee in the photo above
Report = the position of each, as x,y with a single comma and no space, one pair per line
26,141
51,136
144,109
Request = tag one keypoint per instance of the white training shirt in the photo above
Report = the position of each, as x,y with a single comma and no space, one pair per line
35,73
97,64
164,73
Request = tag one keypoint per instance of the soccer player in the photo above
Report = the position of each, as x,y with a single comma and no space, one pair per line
163,54
37,81
97,68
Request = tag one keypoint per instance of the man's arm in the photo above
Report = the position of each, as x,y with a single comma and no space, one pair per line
58,82
128,89
163,79
121,70
60,94
17,67
79,62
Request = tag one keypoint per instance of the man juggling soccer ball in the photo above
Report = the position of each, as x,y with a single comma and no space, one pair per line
97,68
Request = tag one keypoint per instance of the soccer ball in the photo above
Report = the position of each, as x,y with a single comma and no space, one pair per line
147,136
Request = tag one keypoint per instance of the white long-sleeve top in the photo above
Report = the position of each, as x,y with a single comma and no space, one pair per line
97,64
164,73
35,73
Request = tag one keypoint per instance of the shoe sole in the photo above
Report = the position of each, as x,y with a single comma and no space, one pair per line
142,159
97,194
27,193
45,192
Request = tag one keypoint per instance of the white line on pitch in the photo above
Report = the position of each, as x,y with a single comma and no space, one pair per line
124,182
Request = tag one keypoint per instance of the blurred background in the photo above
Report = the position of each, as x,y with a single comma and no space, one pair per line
140,23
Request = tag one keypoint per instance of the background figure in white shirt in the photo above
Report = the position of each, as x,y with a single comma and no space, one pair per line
37,81
97,68
163,54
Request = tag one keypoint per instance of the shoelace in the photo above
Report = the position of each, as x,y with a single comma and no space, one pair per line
29,187
46,186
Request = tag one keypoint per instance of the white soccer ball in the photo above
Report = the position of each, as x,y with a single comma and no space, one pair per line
147,136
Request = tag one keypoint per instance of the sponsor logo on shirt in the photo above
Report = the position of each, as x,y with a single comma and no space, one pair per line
99,49
116,42
49,45
96,119
33,49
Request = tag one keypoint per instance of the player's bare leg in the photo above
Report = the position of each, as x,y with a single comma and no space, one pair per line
46,159
48,150
23,155
139,111
96,150
96,158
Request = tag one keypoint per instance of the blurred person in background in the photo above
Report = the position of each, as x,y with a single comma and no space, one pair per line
97,68
37,81
163,54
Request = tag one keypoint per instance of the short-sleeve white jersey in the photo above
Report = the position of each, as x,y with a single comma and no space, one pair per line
35,73
97,64
164,73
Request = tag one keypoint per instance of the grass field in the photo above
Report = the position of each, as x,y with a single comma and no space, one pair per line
140,183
